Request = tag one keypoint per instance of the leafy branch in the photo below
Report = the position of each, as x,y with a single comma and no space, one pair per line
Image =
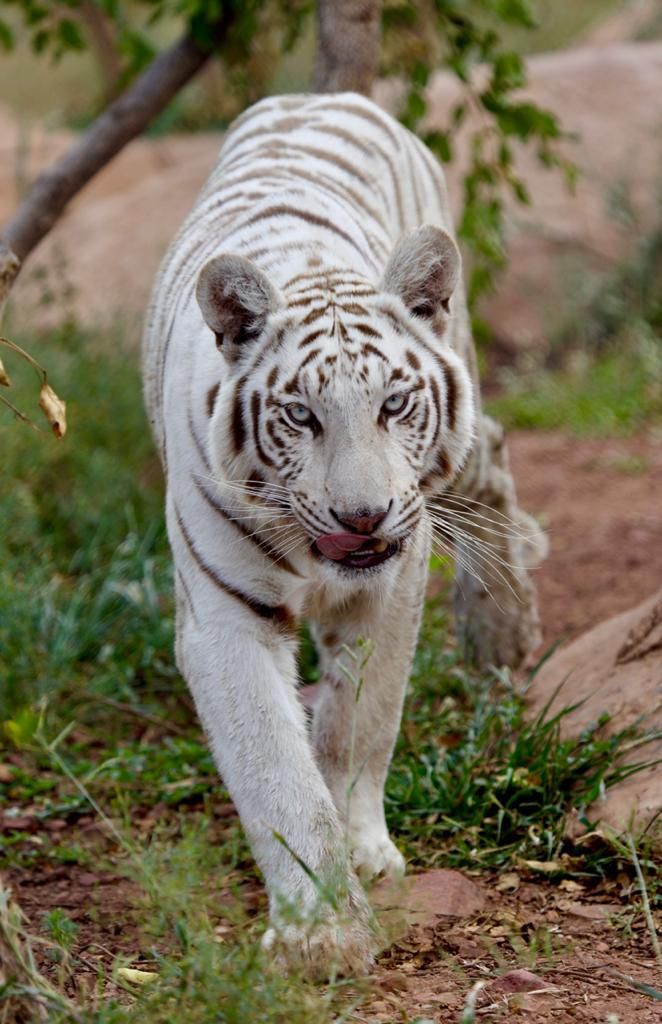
421,36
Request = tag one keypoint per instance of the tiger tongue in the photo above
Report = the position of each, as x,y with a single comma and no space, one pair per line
336,545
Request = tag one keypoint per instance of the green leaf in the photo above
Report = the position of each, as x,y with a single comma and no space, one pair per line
420,75
517,12
440,144
40,40
416,106
69,35
508,72
6,36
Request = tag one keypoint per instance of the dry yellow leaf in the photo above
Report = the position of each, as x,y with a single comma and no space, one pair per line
135,976
545,867
570,885
508,882
54,409
4,376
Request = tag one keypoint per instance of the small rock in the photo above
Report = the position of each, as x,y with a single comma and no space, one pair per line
87,879
394,981
55,825
589,911
17,823
423,899
443,893
519,980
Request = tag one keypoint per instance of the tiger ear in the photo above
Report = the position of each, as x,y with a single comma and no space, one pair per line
236,299
424,270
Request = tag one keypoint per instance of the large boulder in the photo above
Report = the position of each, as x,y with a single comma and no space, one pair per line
615,669
99,261
561,248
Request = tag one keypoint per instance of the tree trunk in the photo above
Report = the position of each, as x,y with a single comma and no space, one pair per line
103,43
121,122
347,59
347,45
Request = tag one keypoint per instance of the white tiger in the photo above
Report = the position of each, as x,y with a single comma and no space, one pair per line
308,366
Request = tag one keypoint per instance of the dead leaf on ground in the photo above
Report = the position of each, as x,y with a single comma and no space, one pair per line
135,976
508,882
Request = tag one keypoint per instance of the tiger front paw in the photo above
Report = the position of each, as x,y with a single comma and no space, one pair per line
375,855
324,949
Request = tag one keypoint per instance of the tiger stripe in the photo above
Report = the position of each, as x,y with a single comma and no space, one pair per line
278,614
273,554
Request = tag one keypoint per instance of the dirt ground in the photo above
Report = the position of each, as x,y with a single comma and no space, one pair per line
601,503
537,950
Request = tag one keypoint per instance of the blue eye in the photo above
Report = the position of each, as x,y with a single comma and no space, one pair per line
395,404
299,414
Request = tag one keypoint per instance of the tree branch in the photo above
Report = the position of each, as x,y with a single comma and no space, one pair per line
348,39
121,122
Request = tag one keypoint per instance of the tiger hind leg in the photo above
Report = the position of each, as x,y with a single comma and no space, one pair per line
496,544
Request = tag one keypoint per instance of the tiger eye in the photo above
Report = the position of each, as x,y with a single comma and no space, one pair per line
299,414
395,404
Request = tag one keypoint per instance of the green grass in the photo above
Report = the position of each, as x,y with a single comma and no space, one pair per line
86,637
616,394
607,378
474,782
84,569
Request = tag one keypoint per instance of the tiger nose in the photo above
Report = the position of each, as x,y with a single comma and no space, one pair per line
362,520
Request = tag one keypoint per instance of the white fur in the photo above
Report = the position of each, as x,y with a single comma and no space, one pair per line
240,666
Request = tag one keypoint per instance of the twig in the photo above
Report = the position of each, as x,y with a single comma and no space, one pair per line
121,122
129,709
648,913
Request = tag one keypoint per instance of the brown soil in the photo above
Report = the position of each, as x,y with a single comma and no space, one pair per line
546,951
601,502
549,953
542,952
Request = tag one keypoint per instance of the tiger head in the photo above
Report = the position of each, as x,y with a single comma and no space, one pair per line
342,406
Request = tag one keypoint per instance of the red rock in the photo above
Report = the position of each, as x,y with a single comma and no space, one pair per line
519,980
614,669
444,893
88,878
18,823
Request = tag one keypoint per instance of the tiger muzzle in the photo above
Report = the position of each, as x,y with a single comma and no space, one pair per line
355,550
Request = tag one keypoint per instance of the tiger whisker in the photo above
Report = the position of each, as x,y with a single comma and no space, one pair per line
257,536
488,550
239,482
486,565
469,506
288,550
468,567
493,546
483,523
469,520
